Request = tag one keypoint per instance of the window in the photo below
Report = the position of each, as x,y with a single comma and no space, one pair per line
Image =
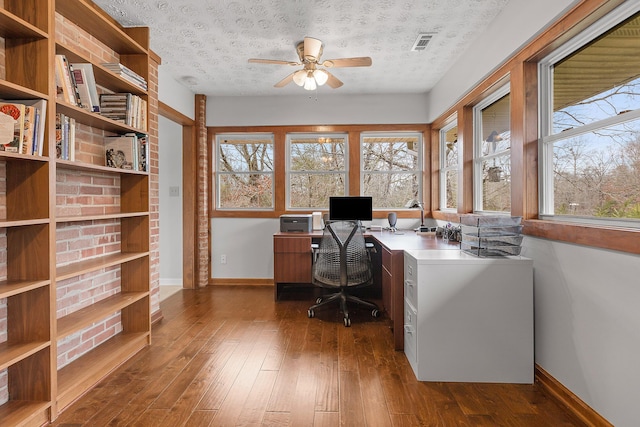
391,168
449,167
590,123
317,169
492,155
244,171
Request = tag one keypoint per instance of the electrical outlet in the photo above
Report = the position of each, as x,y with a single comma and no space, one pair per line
223,259
174,191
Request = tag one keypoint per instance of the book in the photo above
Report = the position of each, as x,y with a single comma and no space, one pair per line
40,106
28,129
11,126
59,136
63,77
75,94
89,81
120,152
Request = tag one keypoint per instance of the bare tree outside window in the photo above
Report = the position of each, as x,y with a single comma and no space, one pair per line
317,169
449,167
592,140
391,169
244,172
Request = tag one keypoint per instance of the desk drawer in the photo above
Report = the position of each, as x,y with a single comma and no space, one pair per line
292,244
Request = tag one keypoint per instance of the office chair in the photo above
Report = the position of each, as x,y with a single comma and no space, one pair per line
342,262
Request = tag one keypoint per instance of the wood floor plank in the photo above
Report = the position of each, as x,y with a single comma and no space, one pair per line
217,393
231,409
232,356
327,393
200,418
351,405
255,406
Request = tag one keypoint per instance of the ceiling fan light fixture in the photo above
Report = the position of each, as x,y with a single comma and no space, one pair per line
310,83
300,77
321,77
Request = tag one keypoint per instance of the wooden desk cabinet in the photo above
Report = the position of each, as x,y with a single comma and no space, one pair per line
292,266
291,260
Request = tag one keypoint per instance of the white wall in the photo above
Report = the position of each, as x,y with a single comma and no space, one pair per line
174,94
327,110
519,22
170,210
587,324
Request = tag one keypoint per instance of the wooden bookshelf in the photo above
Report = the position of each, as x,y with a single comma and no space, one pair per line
33,266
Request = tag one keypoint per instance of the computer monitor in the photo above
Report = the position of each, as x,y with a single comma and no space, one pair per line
350,208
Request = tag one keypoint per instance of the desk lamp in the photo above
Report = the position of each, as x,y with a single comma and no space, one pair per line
414,204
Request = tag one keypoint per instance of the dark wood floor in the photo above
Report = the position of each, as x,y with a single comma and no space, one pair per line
231,356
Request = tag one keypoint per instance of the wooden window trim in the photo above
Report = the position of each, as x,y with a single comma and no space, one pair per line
522,71
353,132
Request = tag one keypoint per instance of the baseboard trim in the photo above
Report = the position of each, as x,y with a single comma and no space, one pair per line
240,282
156,317
565,397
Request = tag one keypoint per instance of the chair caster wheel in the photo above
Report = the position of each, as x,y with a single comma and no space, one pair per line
375,313
318,300
311,314
347,322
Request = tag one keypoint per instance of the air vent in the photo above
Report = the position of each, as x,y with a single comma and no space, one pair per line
422,41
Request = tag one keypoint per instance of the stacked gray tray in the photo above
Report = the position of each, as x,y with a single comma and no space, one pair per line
491,235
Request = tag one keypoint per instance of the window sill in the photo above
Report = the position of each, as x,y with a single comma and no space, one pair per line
613,238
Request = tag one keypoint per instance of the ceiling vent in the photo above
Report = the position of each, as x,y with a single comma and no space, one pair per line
421,42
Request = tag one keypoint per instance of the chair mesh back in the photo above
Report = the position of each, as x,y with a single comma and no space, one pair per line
342,259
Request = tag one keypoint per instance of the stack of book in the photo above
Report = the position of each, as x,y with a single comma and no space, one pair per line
65,137
126,73
125,108
22,125
76,84
128,151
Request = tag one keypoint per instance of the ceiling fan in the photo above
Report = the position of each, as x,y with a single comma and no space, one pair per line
310,76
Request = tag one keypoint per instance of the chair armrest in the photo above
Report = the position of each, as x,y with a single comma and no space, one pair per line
315,248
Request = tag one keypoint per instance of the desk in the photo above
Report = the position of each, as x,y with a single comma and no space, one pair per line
292,265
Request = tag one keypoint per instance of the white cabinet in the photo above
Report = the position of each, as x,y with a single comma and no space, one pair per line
468,319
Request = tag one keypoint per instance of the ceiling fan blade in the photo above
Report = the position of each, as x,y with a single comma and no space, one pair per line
312,49
273,61
333,81
361,61
285,81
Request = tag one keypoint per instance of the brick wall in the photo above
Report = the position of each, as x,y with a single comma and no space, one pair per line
203,194
154,188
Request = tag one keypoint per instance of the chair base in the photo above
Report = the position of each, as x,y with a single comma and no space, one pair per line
342,297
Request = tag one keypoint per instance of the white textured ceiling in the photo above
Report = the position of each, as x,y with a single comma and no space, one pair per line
205,44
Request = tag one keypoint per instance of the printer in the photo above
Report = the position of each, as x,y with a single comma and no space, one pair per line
296,222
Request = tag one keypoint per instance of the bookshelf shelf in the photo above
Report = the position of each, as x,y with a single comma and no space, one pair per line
103,76
70,164
35,241
93,264
22,412
81,374
103,27
94,120
10,90
12,353
82,318
15,287
15,27
83,218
